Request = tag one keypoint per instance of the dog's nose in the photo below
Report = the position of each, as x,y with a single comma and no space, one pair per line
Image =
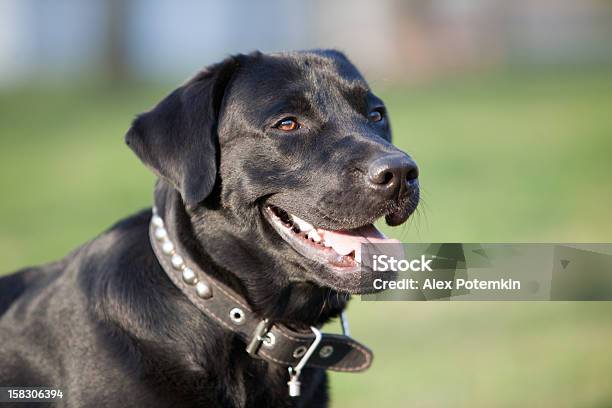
392,175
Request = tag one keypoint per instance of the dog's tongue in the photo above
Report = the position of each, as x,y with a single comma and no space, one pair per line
345,242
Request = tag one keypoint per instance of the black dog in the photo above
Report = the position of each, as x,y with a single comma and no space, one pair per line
251,154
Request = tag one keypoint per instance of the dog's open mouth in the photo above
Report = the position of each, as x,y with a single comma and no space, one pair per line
339,249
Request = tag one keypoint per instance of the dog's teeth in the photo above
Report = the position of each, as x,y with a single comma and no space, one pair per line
302,225
314,235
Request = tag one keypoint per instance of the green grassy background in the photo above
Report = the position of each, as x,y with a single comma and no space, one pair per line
507,157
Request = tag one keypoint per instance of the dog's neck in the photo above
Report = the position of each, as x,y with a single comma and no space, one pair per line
222,251
201,348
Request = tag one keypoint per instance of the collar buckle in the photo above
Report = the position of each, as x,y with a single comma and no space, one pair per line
259,336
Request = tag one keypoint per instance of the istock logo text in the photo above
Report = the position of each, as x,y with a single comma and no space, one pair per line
383,263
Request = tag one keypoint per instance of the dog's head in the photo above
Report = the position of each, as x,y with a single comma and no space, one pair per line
285,159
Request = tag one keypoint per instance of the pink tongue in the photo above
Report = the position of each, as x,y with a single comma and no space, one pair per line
345,242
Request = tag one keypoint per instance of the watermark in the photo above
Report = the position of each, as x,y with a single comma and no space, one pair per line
512,272
31,394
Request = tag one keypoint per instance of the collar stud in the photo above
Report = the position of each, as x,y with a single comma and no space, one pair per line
203,290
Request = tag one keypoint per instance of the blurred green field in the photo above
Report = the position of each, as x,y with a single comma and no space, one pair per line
504,158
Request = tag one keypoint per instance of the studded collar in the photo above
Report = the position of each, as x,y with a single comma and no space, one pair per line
264,339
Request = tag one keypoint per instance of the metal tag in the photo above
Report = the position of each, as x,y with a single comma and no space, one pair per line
294,386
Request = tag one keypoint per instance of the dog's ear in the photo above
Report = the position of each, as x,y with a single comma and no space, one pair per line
177,139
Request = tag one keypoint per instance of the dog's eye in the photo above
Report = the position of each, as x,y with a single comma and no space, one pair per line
287,124
376,115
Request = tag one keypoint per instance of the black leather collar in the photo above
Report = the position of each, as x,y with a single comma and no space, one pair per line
264,339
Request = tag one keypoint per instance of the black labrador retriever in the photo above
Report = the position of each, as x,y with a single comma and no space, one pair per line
272,169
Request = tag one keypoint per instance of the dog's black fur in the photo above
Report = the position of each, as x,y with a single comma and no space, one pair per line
107,326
